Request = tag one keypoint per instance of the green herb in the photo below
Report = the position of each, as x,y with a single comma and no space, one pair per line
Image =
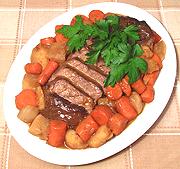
77,34
118,47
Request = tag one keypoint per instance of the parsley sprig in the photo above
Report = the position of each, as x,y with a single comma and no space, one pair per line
118,47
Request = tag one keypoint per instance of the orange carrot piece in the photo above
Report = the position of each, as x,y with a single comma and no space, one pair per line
47,41
85,20
148,95
47,72
150,78
33,68
87,128
117,123
101,114
61,38
96,15
124,107
56,133
125,86
26,97
157,59
114,93
139,86
57,27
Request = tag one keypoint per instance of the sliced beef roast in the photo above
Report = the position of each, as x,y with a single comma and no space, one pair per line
57,107
68,91
80,82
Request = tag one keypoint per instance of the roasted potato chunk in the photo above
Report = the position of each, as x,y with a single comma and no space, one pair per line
57,52
136,101
40,98
39,55
147,51
100,137
39,127
73,141
30,82
160,49
28,113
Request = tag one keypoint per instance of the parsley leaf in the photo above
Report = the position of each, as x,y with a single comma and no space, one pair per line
136,66
113,21
117,73
131,32
77,34
137,50
94,57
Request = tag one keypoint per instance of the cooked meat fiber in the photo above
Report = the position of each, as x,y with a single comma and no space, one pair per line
80,82
87,71
57,107
68,91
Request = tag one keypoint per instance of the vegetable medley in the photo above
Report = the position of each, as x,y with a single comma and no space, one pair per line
133,68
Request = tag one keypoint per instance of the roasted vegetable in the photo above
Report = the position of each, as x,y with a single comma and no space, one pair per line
26,97
39,55
100,137
87,128
30,81
101,114
39,127
28,114
124,107
117,123
136,101
33,68
56,133
40,98
160,49
57,52
73,141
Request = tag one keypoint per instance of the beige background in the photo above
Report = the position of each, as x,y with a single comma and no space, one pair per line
158,148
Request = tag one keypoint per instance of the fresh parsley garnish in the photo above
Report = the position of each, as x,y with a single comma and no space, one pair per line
118,47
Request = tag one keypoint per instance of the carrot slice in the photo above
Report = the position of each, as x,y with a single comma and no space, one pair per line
87,128
96,15
125,86
26,97
61,38
117,123
138,86
56,133
85,20
47,72
47,41
148,95
114,93
157,59
124,107
150,78
101,114
57,27
33,68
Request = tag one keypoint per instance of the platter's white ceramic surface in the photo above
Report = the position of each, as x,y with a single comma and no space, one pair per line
41,150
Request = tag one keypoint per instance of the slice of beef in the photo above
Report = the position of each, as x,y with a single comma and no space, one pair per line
68,91
145,31
99,66
80,54
86,70
59,108
80,82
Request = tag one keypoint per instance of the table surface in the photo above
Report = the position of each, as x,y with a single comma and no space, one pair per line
158,148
